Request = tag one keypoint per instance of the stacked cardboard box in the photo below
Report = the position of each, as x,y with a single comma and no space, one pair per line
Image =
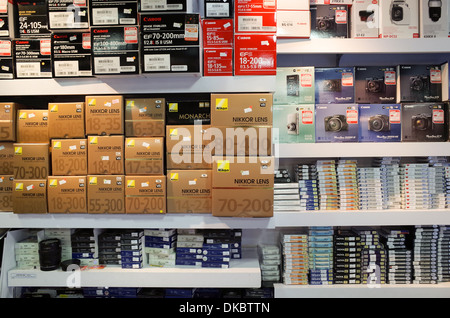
160,247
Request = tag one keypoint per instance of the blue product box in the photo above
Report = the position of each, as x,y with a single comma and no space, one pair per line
189,250
337,123
188,257
216,264
335,85
380,123
188,262
160,239
132,265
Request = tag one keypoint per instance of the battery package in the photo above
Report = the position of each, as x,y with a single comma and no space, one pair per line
334,85
425,122
66,194
380,123
32,58
375,84
337,123
188,111
32,17
330,21
294,85
71,54
145,117
113,13
399,19
295,123
6,59
68,14
365,21
434,19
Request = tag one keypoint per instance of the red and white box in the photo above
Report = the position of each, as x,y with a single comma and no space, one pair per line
217,33
255,16
293,24
218,62
255,54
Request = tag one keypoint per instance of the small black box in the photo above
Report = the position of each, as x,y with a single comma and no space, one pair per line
375,84
182,111
6,60
68,14
32,18
163,6
71,54
330,21
420,83
32,58
424,122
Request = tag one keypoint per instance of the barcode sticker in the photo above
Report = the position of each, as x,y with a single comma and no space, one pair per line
61,20
217,10
157,62
66,68
107,65
105,16
250,23
31,69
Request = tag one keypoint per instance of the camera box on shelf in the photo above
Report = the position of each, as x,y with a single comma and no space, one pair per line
399,19
294,85
334,85
31,160
33,58
337,123
66,194
32,19
293,24
6,186
365,19
375,84
68,14
380,123
434,19
69,157
115,50
295,123
30,196
330,21
6,59
145,194
421,83
106,193
71,54
113,13
424,122
255,16
145,117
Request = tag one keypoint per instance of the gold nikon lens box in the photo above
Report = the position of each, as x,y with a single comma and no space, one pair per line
66,194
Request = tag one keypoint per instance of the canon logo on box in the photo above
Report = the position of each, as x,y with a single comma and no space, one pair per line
151,19
101,31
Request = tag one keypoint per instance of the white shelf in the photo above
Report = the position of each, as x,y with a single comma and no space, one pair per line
242,273
137,85
374,149
362,46
441,290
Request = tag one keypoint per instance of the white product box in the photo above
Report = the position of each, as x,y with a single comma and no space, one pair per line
399,19
434,19
294,24
365,19
293,5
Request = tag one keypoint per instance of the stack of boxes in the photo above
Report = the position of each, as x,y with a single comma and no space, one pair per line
295,258
320,248
425,254
131,249
269,263
109,248
347,257
160,245
328,186
27,253
217,247
443,249
348,184
189,250
84,247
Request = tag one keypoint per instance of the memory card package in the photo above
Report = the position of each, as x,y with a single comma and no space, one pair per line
425,254
347,257
320,244
295,258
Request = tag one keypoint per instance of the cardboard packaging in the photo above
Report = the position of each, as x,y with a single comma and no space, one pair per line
189,191
33,19
241,110
218,9
421,83
144,156
189,147
243,187
145,194
33,58
434,19
6,186
294,85
69,157
106,194
6,158
337,123
330,21
255,54
115,50
242,141
380,123
334,85
66,120
6,59
295,123
217,33
188,111
71,54
104,115
255,16
71,14
105,155
32,125
30,196
218,62
293,24
425,122
113,13
365,19
8,121
31,161
399,19
145,117
375,84
66,194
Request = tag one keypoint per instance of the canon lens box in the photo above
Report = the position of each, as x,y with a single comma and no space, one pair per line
365,19
337,123
255,54
6,60
380,123
334,85
33,58
420,83
32,17
399,19
218,62
255,16
217,33
4,19
188,111
294,85
330,21
115,50
375,84
295,123
71,54
168,6
68,14
425,122
113,13
145,117
66,194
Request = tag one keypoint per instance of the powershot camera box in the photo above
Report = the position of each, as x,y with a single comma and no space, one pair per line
294,85
334,85
365,19
113,13
330,21
6,60
295,123
399,19
424,122
420,83
380,123
375,84
337,123
434,19
68,14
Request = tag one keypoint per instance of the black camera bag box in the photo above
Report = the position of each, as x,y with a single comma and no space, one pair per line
330,21
375,84
425,122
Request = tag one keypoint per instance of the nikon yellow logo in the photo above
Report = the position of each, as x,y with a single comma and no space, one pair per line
173,107
222,104
92,102
57,145
53,183
130,103
131,183
19,187
131,143
18,151
174,176
23,115
173,132
93,140
54,109
223,166
93,180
